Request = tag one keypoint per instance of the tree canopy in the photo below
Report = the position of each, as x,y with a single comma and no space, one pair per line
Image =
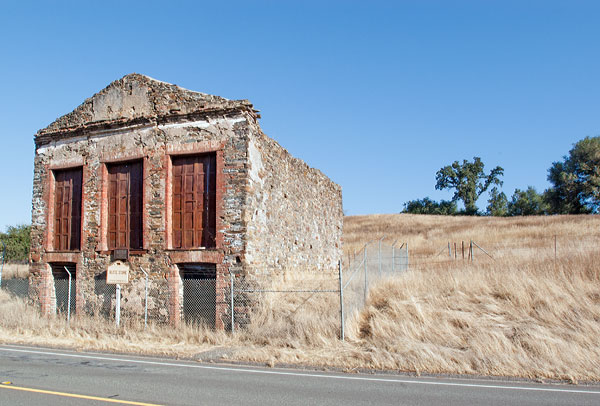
468,180
497,204
16,238
576,180
429,206
527,203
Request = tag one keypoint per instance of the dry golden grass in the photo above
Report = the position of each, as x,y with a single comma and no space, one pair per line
427,235
10,271
524,313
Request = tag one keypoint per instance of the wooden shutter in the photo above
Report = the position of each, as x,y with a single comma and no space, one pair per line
125,205
194,201
67,209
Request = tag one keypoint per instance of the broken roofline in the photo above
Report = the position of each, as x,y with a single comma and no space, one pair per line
155,102
45,137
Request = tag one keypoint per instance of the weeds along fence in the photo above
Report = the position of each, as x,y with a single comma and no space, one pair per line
285,302
377,259
309,304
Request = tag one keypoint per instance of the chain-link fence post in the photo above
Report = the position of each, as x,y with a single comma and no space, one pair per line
342,333
145,298
365,266
3,256
394,256
68,297
118,305
380,240
231,302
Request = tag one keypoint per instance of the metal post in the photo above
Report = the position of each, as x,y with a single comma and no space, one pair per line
231,302
393,255
449,250
118,305
380,240
2,267
342,333
145,299
365,266
471,250
69,298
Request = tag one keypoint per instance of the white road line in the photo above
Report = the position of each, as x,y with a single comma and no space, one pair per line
300,374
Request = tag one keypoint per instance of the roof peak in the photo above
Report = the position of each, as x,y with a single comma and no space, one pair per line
138,97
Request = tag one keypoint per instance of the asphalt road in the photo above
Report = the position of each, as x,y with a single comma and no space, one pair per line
41,376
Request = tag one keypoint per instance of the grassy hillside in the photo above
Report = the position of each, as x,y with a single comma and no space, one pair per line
527,312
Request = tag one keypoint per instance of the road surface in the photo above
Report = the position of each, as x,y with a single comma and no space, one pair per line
38,376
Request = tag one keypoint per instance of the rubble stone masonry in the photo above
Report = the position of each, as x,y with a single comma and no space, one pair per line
273,213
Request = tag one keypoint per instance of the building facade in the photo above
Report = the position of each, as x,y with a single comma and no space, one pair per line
178,184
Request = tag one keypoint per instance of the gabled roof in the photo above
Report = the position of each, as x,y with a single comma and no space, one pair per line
138,98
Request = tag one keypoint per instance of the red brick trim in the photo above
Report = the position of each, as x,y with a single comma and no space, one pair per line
174,280
146,196
196,256
103,226
49,199
195,148
72,257
44,289
132,154
70,163
168,213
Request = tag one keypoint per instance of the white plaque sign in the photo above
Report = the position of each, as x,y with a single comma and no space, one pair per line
117,272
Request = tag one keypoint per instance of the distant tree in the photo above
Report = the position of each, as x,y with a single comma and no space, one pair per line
497,203
428,206
468,180
16,238
527,203
576,180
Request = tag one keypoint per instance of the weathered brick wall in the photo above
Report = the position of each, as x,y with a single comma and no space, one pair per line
294,212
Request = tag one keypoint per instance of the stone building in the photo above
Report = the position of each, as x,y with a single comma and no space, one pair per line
176,183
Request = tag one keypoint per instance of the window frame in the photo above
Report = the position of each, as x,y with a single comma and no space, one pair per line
52,244
141,204
208,199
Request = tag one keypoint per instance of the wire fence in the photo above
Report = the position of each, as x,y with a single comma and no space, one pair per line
202,299
376,260
235,302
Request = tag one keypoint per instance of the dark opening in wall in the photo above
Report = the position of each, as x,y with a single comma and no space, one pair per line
61,286
199,293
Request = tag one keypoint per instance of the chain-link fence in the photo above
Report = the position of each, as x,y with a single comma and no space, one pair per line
302,301
17,286
305,307
378,259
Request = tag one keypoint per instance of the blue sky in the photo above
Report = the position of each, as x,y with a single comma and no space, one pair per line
378,95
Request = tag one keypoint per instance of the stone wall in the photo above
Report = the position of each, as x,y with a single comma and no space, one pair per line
274,214
225,135
294,212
